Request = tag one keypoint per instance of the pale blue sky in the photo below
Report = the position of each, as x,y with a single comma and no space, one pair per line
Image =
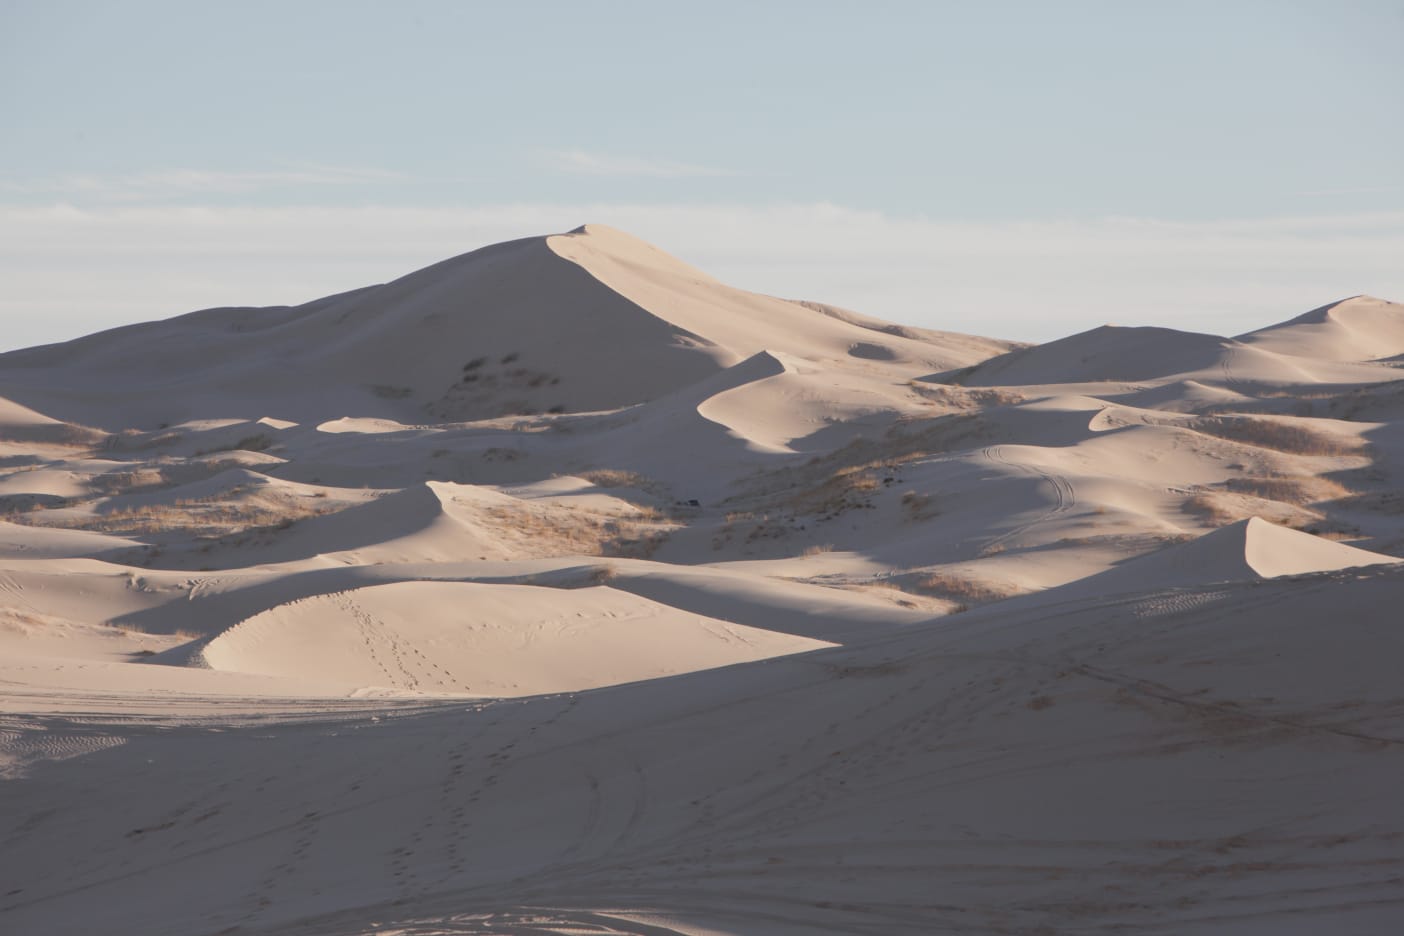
272,152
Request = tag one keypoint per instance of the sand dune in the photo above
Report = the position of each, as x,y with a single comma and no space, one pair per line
1282,355
561,588
587,321
1110,353
1359,329
1247,550
493,640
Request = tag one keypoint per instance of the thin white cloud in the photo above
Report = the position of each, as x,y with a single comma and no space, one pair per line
1376,190
168,183
580,162
68,271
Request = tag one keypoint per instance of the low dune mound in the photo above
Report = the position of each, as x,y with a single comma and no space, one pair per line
33,542
1184,396
1359,329
495,640
1246,550
1108,353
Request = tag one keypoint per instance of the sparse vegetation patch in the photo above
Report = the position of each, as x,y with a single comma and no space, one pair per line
1278,435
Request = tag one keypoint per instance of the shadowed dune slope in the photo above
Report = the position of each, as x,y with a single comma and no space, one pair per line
1246,550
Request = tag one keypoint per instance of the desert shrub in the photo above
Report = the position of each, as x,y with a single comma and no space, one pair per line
219,515
559,531
254,443
1296,489
1212,508
602,575
1220,507
613,478
128,482
965,589
918,506
965,398
1276,435
846,489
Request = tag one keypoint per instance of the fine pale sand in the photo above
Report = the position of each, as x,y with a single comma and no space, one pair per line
561,588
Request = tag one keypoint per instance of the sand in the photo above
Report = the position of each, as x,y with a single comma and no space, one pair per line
561,588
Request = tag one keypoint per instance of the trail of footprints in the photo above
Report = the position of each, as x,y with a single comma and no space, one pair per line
375,634
305,833
448,826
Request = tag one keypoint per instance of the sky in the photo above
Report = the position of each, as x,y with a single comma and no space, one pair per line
1018,169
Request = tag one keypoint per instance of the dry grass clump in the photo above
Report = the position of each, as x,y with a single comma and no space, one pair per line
129,482
919,506
184,633
1294,489
614,478
1287,500
1219,508
957,397
844,490
206,517
602,574
1215,509
1277,435
759,526
965,589
818,549
551,530
875,459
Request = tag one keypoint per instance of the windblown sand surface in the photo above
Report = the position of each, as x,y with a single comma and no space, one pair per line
560,588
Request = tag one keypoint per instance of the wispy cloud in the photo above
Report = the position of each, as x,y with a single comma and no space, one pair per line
1375,190
169,183
70,270
581,162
